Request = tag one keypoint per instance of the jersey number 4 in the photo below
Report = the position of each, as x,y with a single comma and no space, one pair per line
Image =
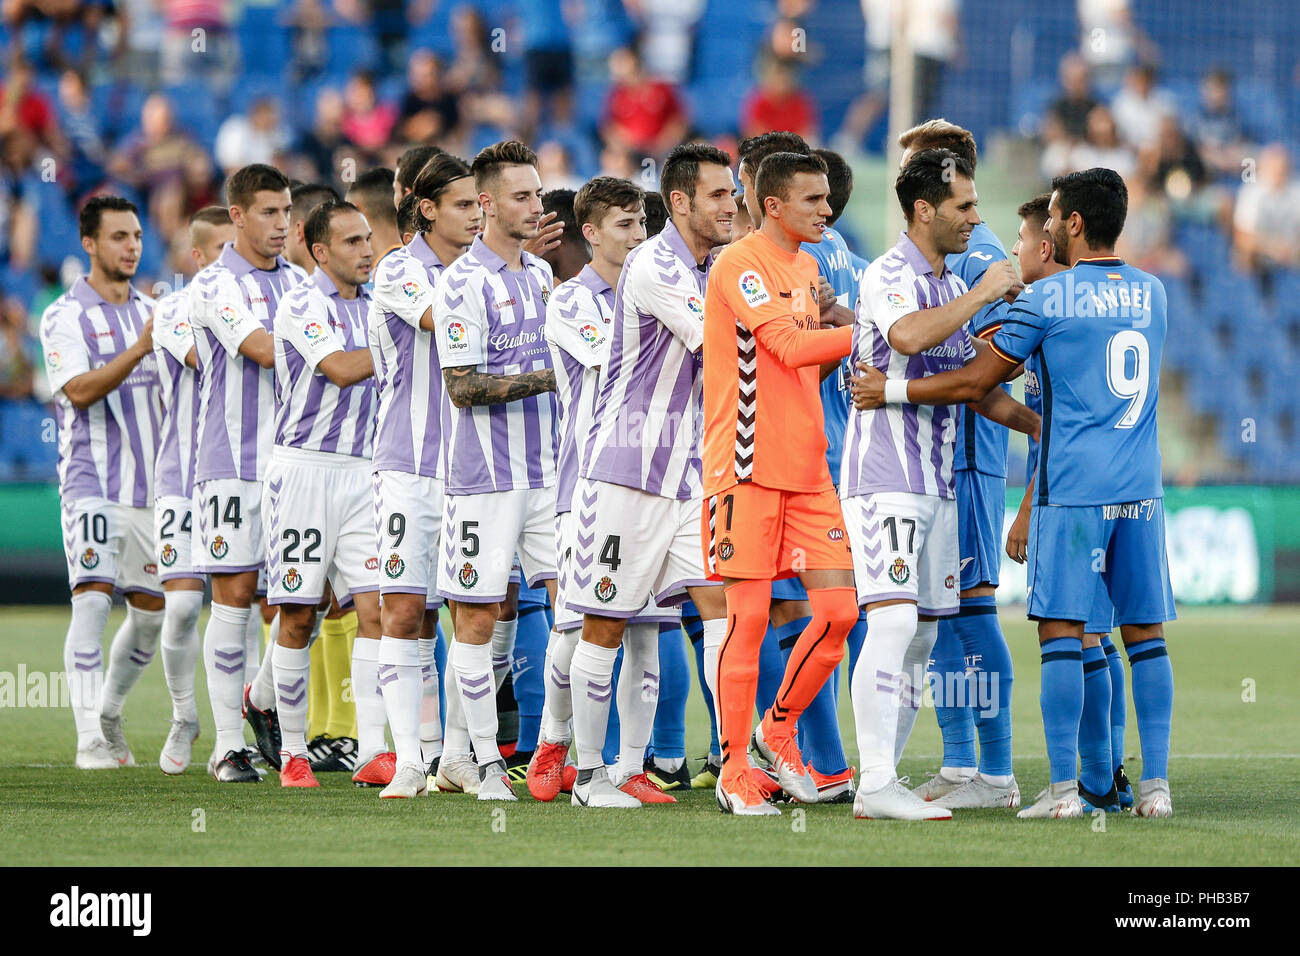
1125,383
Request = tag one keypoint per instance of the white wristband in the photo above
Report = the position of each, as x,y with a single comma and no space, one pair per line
896,391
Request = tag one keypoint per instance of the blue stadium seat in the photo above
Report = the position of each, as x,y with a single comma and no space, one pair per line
22,449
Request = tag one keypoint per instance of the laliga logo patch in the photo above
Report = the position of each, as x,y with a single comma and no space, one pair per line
89,559
589,334
181,329
456,337
751,287
605,590
220,548
292,580
696,305
468,577
54,360
411,289
394,566
312,331
726,551
168,555
228,315
895,299
899,572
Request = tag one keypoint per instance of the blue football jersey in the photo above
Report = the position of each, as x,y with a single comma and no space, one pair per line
1099,332
835,263
981,444
1034,402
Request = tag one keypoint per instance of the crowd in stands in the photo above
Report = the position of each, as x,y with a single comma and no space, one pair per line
159,99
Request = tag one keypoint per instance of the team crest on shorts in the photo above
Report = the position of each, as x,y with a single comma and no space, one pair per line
899,572
89,559
394,566
605,590
468,577
726,551
220,547
168,555
292,580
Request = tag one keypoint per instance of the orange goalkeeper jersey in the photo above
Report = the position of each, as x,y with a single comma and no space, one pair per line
762,416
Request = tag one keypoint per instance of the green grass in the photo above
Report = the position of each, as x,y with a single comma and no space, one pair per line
1234,775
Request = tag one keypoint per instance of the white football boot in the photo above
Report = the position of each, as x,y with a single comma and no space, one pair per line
894,801
1060,801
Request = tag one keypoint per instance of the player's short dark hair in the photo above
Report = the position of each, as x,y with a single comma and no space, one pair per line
373,191
244,184
928,176
778,170
93,211
492,159
681,170
839,174
408,216
211,216
656,214
598,196
307,196
317,227
560,201
755,149
411,162
1035,210
940,134
1100,198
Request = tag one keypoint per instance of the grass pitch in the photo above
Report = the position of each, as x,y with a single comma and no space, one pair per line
1235,772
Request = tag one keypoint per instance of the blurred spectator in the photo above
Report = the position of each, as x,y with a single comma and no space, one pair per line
1111,41
429,112
142,38
81,124
196,42
1067,116
17,222
1174,166
868,108
1266,221
548,62
152,161
1217,129
321,143
258,137
55,34
18,350
24,107
666,35
308,22
778,102
617,160
367,122
555,167
1101,147
475,73
1139,107
641,113
388,23
200,183
1146,241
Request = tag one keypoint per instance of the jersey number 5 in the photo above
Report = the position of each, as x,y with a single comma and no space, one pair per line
1123,383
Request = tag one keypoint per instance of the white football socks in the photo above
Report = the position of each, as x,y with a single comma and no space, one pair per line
503,648
403,687
262,691
593,676
474,685
253,652
558,707
430,708
180,650
715,632
456,735
915,663
638,697
875,686
223,660
134,646
292,667
83,661
369,701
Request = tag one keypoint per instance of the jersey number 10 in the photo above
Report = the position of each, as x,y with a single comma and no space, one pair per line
1122,383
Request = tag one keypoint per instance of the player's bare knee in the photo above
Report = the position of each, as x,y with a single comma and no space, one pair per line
403,616
1137,633
603,631
296,622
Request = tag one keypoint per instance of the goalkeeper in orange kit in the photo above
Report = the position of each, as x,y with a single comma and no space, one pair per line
771,508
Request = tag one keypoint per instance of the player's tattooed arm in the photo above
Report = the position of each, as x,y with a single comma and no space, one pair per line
467,386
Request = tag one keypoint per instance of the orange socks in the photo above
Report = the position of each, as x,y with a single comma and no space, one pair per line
816,655
748,604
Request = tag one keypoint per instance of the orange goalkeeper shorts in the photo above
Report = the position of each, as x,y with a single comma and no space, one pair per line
753,532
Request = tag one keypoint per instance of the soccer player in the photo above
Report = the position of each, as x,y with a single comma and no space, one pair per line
97,344
1103,321
320,509
568,257
611,214
408,218
414,420
772,509
897,480
408,167
1102,781
971,662
232,304
209,230
489,313
305,198
640,490
373,193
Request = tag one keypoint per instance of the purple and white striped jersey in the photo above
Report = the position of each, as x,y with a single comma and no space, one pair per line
172,340
903,447
228,300
492,318
414,413
649,416
311,412
578,321
106,450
